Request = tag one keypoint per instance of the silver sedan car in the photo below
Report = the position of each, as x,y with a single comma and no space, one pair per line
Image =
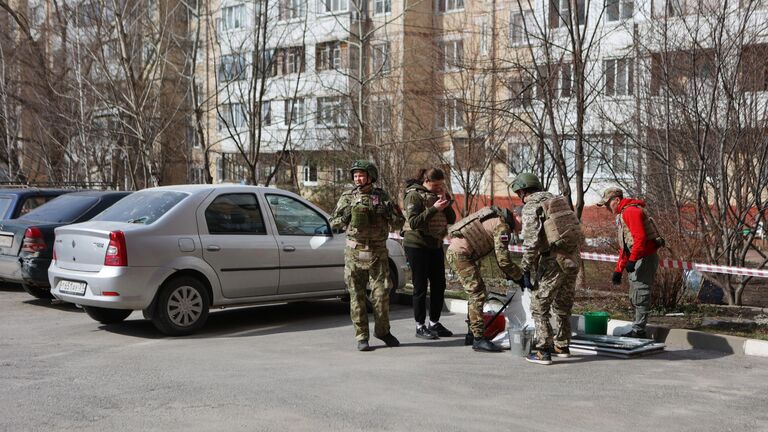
176,251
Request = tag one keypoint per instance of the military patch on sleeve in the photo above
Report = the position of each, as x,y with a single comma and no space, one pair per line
504,237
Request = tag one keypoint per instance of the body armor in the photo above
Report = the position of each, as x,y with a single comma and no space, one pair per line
561,226
626,241
471,229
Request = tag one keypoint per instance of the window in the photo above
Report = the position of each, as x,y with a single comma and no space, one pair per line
291,9
517,26
380,58
233,168
143,207
619,9
753,74
566,80
442,6
267,64
560,13
232,17
330,6
65,208
450,114
520,157
619,77
309,173
196,175
231,116
266,113
381,115
451,54
328,55
32,203
520,91
341,175
232,67
484,36
293,217
235,214
292,60
294,111
331,111
382,6
192,138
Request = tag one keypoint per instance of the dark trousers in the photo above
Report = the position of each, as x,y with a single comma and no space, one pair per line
427,266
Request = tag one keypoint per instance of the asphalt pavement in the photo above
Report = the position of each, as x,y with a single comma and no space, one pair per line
294,367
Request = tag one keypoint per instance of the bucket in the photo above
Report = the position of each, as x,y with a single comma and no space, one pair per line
596,322
520,341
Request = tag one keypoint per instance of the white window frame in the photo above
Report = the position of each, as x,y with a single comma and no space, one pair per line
331,112
328,56
620,74
294,111
291,9
266,113
234,116
382,7
450,114
452,54
380,55
232,17
625,10
306,174
333,6
448,6
517,27
484,36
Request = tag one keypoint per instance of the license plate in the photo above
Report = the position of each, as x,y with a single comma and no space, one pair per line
71,287
6,241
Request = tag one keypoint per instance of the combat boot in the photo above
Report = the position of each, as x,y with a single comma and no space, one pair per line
639,334
562,352
390,340
540,356
483,344
362,345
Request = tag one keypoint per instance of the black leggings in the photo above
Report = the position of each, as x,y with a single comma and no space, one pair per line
427,265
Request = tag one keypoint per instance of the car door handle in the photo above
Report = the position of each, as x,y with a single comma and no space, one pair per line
289,248
213,248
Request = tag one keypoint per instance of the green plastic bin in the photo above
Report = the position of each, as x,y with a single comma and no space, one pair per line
596,322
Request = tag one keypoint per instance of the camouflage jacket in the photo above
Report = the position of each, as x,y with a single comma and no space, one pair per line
427,225
534,239
378,215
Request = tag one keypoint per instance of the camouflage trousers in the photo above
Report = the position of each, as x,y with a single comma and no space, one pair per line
640,282
468,272
360,268
555,292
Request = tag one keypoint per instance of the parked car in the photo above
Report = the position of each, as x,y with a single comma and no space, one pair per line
176,251
15,203
26,243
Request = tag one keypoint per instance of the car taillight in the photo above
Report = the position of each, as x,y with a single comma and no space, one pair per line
33,240
117,253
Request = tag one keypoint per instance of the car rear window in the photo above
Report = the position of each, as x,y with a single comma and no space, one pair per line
5,204
142,207
65,208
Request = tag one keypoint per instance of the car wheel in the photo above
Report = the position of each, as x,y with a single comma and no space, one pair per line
107,316
41,293
182,306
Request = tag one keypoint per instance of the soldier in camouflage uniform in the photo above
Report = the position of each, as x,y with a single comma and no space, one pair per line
554,269
368,215
474,237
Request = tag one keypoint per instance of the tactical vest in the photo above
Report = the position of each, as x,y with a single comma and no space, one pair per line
626,241
368,222
561,225
437,226
471,229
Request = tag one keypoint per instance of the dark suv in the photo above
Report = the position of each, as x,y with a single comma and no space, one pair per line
15,203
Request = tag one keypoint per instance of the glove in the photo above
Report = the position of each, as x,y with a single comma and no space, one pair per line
616,279
527,280
630,267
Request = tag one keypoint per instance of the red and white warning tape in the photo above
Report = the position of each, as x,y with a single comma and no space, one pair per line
666,263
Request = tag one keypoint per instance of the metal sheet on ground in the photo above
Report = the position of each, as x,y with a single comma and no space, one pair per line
653,348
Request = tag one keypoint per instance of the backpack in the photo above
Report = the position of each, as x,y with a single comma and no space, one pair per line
561,225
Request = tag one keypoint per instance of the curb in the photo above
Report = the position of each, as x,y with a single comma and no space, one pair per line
673,338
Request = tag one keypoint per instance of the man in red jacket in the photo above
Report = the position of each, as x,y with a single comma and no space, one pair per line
638,242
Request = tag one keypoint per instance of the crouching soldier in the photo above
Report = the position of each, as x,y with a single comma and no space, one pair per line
368,215
472,238
552,237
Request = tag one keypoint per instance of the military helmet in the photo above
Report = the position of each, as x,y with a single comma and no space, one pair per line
367,166
526,181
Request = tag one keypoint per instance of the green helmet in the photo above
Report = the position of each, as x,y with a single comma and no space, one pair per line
367,166
526,181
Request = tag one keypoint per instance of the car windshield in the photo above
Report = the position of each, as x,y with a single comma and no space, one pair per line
142,207
5,204
65,208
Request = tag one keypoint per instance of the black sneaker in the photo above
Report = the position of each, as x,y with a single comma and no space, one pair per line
639,334
440,330
540,357
424,333
563,352
390,340
363,345
485,345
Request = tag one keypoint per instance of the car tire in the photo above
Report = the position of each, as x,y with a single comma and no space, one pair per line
107,316
182,306
37,292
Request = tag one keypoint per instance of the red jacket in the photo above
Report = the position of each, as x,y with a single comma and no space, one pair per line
632,214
